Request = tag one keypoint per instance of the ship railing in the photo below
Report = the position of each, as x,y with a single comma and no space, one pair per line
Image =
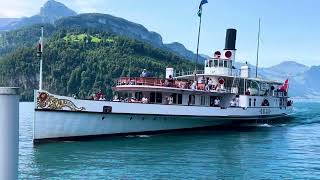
187,73
146,81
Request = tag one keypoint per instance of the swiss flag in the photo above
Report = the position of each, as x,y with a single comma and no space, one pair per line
285,86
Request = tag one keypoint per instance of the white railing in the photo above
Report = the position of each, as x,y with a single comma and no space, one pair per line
187,73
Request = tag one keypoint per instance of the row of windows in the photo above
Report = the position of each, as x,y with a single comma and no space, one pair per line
254,102
219,63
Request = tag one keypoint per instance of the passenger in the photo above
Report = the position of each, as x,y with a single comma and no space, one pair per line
99,95
170,100
115,99
206,88
162,82
203,80
210,84
132,100
233,103
145,100
102,98
194,85
187,85
132,82
170,81
237,101
144,73
217,102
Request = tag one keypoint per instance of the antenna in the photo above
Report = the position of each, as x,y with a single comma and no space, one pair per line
258,48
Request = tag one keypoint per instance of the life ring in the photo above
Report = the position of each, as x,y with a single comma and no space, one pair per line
221,81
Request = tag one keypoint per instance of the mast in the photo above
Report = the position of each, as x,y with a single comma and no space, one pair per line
200,16
195,66
41,59
258,48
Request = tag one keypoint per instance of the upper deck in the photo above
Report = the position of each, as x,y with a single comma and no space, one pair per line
186,84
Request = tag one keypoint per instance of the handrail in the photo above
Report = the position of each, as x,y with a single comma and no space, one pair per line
186,73
151,81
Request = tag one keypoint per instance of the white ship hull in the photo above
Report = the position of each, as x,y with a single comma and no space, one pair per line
69,118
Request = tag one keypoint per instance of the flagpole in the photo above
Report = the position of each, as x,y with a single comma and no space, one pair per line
198,44
197,59
41,61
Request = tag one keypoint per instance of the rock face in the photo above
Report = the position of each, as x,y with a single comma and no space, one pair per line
50,12
53,10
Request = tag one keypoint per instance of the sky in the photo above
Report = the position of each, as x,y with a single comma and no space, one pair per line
289,28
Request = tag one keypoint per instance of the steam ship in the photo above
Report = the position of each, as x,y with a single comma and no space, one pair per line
218,95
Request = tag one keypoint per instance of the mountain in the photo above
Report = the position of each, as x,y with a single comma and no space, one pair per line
126,28
111,24
304,81
288,68
6,21
50,12
79,61
135,42
55,13
53,10
183,51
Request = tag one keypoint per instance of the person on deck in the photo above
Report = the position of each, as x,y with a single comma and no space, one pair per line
145,100
170,81
144,73
210,84
99,95
194,85
217,102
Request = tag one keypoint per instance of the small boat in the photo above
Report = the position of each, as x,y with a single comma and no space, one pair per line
218,95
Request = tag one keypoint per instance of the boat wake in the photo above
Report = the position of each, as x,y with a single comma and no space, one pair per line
138,136
264,125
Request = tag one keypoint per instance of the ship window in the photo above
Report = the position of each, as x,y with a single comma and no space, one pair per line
249,102
203,100
215,63
174,97
206,63
254,102
192,99
221,63
212,98
179,98
152,97
158,98
210,63
225,64
138,95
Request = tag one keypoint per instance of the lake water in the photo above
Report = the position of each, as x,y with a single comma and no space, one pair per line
289,150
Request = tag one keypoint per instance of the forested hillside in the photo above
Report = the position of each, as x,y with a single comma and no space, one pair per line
79,61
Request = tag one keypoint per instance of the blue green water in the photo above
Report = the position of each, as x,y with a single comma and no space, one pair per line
289,150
